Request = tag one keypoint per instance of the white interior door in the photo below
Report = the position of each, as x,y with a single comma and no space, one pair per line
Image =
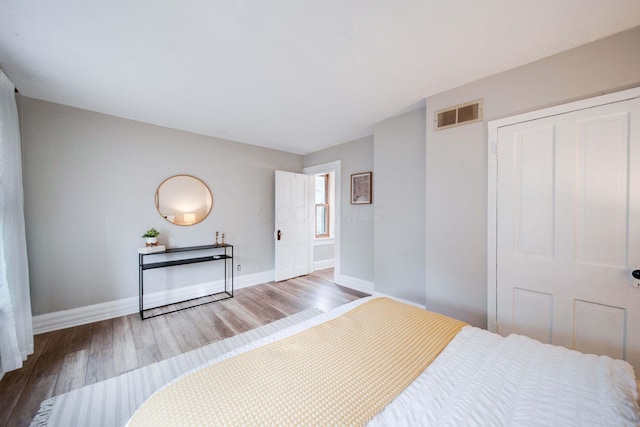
568,230
293,224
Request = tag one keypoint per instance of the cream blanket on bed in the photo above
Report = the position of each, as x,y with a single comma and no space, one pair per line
342,372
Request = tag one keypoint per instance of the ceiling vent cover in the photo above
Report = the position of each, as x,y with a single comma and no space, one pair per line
470,112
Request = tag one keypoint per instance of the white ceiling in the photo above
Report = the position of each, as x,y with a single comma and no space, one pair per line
295,75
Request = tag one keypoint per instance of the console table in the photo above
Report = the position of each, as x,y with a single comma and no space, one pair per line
226,254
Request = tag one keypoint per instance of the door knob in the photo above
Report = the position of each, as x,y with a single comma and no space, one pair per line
280,235
636,274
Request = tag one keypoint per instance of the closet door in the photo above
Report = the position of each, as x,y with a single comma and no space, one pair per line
568,230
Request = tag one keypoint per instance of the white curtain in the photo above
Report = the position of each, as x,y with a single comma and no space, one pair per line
16,329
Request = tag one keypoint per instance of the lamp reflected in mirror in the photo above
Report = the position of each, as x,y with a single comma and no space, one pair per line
189,219
184,200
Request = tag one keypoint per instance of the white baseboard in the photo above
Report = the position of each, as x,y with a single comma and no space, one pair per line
83,315
354,283
247,280
122,307
321,265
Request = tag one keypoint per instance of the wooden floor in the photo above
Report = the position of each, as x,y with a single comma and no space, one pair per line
70,358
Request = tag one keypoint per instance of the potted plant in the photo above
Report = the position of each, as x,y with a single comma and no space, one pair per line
152,237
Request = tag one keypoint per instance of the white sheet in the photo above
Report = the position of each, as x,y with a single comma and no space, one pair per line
483,379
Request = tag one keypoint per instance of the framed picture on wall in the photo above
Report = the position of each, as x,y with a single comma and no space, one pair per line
361,188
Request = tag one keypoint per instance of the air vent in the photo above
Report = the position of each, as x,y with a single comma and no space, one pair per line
470,112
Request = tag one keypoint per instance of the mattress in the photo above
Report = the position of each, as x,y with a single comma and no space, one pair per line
482,379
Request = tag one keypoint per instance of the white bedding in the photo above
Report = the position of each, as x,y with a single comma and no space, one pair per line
483,379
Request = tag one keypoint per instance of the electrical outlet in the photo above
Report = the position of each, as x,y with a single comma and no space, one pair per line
239,267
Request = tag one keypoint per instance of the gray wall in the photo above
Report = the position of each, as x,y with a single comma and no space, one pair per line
399,200
356,221
90,179
89,182
323,252
456,160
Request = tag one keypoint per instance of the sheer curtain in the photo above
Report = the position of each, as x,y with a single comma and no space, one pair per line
16,330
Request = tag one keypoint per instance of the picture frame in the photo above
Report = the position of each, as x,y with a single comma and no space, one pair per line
361,184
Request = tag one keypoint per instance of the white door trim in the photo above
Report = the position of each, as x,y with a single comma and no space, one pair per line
492,177
334,167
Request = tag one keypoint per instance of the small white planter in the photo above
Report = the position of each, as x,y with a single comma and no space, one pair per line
152,241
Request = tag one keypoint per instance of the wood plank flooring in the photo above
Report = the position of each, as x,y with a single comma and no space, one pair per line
71,358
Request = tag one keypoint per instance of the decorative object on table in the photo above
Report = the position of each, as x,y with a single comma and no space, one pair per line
152,237
217,244
361,188
152,249
222,239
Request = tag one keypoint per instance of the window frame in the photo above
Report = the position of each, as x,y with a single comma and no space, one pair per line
326,205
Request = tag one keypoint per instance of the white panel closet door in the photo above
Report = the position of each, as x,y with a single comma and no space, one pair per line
293,224
568,230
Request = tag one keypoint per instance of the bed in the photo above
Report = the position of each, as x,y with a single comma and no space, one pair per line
380,362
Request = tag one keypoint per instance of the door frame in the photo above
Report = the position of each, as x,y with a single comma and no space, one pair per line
492,180
334,167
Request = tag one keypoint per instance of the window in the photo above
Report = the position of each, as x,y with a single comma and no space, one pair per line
322,206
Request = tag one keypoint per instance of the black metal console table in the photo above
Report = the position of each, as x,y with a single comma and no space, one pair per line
227,255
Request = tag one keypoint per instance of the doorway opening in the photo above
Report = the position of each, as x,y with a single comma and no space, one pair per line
325,239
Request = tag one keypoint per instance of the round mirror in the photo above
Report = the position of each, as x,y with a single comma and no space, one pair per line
183,200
